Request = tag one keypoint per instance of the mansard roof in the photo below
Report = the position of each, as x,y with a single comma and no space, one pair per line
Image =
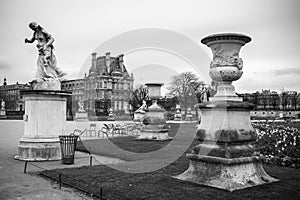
114,67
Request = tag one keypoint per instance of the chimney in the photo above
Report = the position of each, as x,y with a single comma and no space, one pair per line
94,60
4,82
107,61
121,62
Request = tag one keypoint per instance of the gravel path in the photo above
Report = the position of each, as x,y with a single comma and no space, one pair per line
14,184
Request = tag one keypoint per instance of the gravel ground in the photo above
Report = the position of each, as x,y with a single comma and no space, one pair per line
14,184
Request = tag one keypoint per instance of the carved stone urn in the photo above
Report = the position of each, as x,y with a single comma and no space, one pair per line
226,65
155,119
226,156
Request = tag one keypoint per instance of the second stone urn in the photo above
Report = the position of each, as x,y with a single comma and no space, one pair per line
155,119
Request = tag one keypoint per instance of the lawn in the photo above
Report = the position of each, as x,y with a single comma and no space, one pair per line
128,149
159,184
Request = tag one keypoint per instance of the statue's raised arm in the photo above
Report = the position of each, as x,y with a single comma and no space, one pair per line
30,40
47,71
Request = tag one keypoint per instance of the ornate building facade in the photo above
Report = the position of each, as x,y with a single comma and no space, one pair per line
273,105
10,93
107,85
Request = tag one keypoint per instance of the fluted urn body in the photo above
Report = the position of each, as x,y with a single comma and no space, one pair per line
226,65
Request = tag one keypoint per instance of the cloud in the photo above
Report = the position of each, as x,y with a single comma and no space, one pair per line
279,72
4,64
3,67
286,71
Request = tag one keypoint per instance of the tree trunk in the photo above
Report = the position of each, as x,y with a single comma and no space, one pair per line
185,107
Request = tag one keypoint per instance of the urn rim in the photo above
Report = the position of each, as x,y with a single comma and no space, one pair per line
226,36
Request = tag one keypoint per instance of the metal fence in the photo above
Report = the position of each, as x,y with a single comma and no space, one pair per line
93,190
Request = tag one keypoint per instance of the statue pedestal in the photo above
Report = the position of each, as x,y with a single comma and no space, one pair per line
226,156
139,115
156,128
81,116
111,116
189,116
177,117
45,118
157,132
2,114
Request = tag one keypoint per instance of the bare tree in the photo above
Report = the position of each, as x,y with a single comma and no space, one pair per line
283,98
275,101
185,87
139,95
294,101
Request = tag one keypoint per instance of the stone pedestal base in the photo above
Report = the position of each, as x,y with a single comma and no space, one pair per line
110,118
45,118
177,117
81,117
47,84
189,117
111,115
139,116
227,98
2,114
38,149
158,132
227,174
226,156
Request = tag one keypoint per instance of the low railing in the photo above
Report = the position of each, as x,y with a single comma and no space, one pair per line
66,180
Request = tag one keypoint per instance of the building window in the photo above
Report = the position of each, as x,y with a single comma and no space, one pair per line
117,105
105,84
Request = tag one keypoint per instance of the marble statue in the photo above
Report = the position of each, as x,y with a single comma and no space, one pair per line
46,63
204,94
143,107
2,105
81,105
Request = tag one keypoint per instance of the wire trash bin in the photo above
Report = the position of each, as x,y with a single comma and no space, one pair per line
68,146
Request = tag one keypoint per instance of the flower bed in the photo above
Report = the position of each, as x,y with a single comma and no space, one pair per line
279,143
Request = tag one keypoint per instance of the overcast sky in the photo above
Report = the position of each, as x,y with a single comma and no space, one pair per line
271,59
